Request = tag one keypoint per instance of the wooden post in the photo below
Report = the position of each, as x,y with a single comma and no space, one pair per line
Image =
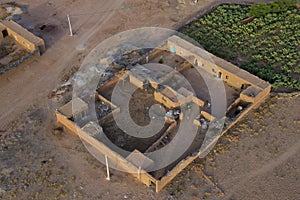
70,26
107,169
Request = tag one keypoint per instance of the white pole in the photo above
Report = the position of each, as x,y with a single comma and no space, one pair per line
70,26
107,169
139,173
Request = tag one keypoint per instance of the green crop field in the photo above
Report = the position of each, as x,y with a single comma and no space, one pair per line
267,46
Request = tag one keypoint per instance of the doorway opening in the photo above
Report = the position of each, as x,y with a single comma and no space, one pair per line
220,75
4,33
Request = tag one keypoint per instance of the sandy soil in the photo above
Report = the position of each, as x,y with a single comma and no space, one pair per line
257,160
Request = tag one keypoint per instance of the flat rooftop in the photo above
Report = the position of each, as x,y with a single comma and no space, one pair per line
21,31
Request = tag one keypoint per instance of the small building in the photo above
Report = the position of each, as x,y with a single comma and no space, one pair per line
218,67
75,108
168,97
22,36
139,76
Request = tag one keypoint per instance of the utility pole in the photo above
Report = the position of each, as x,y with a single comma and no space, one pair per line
70,26
107,169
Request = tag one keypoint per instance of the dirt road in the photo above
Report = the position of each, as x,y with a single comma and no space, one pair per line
24,86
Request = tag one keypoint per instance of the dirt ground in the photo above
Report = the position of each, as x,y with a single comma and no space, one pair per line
140,104
258,159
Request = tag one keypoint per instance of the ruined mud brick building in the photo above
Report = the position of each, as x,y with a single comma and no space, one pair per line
22,36
244,92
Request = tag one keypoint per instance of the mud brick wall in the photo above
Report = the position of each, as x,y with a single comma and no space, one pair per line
113,157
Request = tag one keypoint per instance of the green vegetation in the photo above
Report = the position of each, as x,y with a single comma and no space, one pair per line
161,60
268,46
262,9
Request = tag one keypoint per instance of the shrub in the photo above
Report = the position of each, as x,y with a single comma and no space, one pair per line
161,60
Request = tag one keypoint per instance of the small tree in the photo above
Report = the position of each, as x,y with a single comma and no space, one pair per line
161,60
